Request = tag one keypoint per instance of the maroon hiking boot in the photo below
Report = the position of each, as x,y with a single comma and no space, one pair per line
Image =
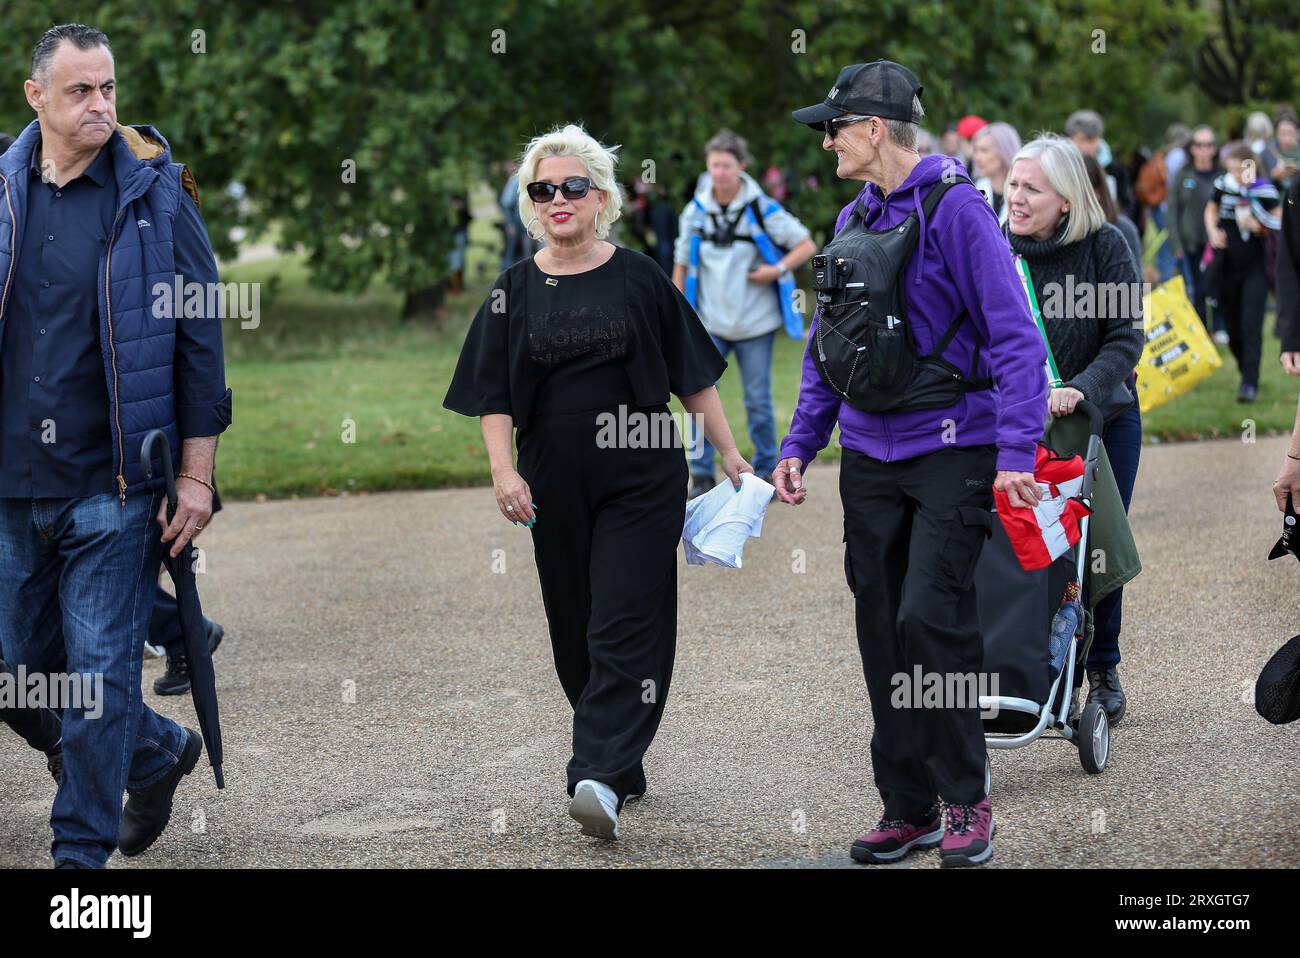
894,839
968,835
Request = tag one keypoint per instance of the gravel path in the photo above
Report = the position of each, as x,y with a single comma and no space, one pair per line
388,698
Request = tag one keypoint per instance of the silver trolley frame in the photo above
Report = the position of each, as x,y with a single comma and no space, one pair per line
1091,733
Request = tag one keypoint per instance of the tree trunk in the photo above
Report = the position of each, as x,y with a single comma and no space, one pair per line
422,302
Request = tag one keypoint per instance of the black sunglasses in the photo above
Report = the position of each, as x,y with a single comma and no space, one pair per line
574,188
1202,143
833,126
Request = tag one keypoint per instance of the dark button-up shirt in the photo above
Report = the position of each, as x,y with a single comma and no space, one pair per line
54,434
52,379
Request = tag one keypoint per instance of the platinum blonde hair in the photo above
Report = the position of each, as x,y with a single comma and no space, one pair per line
571,140
1062,163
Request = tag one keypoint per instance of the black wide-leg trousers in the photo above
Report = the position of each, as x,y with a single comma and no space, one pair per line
913,532
608,524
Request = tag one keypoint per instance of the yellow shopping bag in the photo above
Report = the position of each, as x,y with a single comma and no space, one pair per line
1178,352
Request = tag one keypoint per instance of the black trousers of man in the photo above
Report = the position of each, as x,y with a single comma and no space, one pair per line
913,531
608,524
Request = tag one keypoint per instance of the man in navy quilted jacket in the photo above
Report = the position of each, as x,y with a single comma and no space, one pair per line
94,220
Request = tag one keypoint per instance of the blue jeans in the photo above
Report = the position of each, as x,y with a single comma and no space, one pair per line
755,358
1122,438
1166,264
77,583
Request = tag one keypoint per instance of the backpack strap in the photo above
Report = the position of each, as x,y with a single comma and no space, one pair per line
756,210
760,214
928,205
935,195
946,340
722,225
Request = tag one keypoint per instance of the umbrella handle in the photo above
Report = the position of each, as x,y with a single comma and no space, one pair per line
146,462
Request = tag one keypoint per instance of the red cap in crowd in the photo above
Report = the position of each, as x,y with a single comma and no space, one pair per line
968,126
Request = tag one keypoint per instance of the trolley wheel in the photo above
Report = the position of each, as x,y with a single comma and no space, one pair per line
1094,738
988,774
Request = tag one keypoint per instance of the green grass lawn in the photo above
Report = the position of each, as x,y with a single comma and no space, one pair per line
319,359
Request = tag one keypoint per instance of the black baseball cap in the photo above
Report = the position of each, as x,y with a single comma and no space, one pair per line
881,88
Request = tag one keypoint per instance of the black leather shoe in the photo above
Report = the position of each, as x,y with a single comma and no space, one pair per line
176,680
1104,687
149,809
700,485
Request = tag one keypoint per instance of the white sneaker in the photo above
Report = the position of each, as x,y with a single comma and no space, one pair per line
1221,337
152,651
595,807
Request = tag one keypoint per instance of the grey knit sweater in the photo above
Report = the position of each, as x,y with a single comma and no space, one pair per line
1095,330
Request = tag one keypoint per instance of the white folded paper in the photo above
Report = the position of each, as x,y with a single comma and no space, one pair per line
719,522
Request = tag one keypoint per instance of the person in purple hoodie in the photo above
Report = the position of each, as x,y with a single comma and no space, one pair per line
917,481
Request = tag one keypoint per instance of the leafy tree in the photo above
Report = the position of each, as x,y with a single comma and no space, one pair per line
423,99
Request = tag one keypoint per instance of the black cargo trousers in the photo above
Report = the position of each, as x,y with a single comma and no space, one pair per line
913,533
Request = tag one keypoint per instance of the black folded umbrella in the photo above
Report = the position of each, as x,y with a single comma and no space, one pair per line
1290,541
203,681
1277,692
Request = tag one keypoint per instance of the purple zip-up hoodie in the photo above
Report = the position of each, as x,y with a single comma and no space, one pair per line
961,263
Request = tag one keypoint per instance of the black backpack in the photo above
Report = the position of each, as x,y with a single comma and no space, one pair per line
863,345
723,232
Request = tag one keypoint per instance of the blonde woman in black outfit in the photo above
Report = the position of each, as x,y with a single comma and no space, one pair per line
564,339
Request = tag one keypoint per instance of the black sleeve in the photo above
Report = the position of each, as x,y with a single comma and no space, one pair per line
1133,239
1173,212
203,402
1288,272
1122,334
693,362
481,383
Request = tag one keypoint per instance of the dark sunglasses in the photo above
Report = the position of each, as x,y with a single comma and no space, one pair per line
833,126
1202,143
574,188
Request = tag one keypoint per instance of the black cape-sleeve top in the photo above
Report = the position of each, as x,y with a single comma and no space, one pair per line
671,351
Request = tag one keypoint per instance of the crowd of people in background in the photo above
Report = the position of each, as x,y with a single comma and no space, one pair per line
1200,207
1197,207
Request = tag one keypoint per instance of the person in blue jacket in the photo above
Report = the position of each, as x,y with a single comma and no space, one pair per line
95,218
